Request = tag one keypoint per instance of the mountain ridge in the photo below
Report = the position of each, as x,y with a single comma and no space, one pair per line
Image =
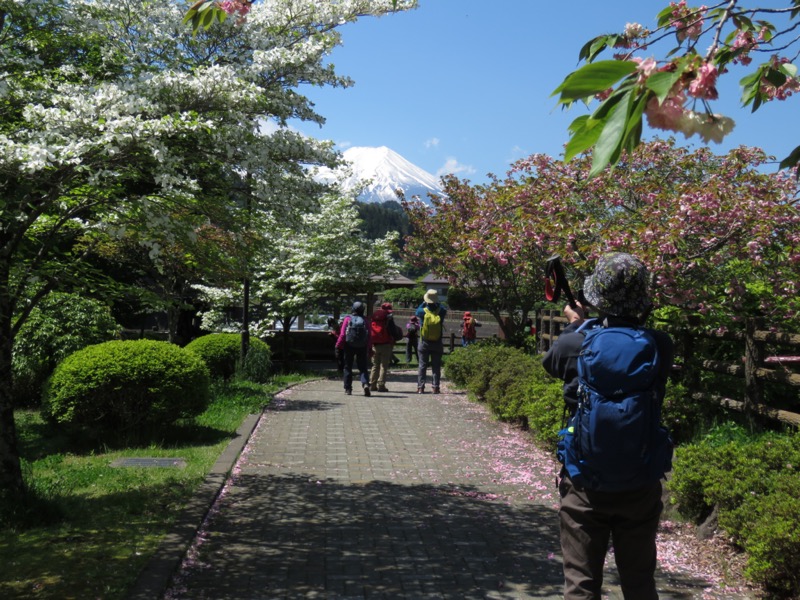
386,171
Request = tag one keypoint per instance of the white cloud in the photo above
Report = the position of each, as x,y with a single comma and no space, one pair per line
432,143
517,152
453,167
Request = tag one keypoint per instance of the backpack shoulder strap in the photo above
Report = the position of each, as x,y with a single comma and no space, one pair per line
587,325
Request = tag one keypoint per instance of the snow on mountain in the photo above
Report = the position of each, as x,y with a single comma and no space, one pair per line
387,171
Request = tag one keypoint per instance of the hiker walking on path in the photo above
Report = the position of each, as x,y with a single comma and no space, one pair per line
431,349
468,329
382,328
354,341
614,451
412,338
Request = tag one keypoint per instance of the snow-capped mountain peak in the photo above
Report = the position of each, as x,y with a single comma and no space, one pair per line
387,171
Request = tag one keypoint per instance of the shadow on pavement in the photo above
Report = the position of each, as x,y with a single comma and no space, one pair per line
291,537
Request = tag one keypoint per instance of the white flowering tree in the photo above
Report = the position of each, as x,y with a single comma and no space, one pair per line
116,119
326,255
676,93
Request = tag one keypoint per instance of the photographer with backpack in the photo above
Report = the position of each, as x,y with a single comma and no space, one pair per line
431,349
355,343
614,451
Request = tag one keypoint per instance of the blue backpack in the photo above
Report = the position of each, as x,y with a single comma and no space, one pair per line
615,441
356,332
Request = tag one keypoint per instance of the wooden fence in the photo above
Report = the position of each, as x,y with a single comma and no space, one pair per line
766,356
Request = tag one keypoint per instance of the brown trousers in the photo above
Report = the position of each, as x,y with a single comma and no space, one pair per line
589,520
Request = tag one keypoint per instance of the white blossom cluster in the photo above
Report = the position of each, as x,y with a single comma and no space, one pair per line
135,134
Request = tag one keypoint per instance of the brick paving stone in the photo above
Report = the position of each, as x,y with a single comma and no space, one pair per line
398,495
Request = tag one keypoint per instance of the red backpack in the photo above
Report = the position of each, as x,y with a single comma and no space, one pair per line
468,331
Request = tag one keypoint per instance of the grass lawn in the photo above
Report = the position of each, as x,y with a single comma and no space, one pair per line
91,527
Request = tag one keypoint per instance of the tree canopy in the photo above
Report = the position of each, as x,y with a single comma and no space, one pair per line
720,237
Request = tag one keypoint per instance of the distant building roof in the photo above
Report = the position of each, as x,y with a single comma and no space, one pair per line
432,279
399,281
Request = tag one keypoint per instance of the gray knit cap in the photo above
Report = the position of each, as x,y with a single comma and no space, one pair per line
618,286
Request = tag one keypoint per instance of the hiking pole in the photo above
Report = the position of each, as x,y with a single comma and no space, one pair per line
556,282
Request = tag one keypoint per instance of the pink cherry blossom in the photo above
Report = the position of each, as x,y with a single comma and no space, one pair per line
705,82
666,115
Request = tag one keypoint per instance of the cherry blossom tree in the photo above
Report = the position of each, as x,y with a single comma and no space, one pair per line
477,237
721,238
676,93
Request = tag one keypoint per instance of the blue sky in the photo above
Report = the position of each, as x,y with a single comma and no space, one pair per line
464,86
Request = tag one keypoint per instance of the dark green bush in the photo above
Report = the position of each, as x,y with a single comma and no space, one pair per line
771,536
258,363
508,389
753,481
60,325
513,383
222,353
544,405
126,386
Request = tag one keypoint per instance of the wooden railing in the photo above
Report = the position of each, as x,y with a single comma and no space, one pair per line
755,367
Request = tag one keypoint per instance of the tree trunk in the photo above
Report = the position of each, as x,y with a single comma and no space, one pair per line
11,482
245,321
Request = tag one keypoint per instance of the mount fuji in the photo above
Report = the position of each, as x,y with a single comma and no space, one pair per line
386,171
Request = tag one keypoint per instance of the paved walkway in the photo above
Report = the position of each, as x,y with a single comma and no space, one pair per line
399,495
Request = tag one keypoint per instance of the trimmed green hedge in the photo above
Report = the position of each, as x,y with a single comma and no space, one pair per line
126,386
514,385
221,353
754,482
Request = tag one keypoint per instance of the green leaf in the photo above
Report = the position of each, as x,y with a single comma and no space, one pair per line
662,82
585,133
596,45
208,19
791,160
789,70
665,17
751,85
633,130
609,145
593,78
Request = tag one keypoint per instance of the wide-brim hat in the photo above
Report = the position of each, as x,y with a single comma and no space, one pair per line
431,297
619,286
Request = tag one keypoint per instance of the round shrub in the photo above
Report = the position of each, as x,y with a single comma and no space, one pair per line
221,352
126,386
60,325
